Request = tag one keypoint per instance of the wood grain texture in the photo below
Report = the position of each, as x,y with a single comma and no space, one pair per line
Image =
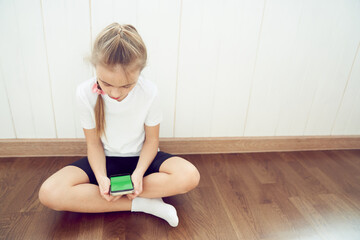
77,147
251,196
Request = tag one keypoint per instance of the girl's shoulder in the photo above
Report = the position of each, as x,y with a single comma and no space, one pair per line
84,91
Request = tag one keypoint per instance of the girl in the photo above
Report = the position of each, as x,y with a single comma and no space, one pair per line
120,115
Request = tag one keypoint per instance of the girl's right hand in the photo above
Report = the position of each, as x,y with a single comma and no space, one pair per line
104,187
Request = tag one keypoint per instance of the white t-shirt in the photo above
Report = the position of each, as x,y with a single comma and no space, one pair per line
125,120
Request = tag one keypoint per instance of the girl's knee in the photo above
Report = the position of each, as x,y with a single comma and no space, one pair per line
50,195
52,192
195,178
186,176
190,179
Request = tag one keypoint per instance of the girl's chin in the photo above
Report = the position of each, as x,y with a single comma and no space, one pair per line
116,98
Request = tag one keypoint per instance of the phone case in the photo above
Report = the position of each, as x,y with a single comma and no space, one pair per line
117,193
120,193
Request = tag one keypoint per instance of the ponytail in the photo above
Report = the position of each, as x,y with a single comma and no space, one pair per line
100,116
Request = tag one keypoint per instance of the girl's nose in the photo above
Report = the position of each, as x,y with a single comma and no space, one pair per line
117,93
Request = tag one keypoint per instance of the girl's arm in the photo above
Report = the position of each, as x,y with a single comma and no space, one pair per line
147,155
97,161
149,149
95,153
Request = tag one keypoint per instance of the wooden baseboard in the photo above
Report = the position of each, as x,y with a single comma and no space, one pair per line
77,147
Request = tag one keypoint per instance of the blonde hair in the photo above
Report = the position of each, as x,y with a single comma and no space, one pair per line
116,44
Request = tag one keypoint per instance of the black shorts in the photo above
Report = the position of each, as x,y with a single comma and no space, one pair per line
119,165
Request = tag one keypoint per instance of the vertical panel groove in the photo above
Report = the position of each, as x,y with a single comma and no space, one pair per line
90,20
346,85
21,53
91,33
137,13
311,106
253,73
47,63
177,69
8,101
213,99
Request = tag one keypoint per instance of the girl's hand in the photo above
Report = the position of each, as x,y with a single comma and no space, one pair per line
104,187
137,180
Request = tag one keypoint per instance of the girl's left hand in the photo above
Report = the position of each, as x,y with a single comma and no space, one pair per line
137,180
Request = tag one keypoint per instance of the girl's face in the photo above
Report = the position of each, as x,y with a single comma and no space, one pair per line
115,82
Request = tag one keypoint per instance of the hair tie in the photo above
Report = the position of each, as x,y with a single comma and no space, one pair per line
96,89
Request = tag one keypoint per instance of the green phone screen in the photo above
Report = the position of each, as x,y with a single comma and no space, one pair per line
120,183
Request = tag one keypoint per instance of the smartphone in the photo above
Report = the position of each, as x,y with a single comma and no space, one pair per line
121,184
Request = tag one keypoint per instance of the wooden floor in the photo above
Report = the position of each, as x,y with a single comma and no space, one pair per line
293,195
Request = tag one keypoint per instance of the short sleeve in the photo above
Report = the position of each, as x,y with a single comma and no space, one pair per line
85,112
154,116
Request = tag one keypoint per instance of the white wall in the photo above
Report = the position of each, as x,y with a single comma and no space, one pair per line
223,68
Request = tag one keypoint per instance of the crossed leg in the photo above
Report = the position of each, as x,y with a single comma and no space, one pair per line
69,189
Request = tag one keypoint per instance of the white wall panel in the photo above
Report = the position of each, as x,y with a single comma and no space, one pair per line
348,117
198,58
67,32
272,85
30,25
161,36
105,12
223,68
188,64
339,37
297,88
6,122
238,29
13,72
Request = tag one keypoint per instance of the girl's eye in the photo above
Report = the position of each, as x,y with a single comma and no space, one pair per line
109,85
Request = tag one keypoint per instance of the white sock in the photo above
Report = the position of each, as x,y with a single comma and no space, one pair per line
156,207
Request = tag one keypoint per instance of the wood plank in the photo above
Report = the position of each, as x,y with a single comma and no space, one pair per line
341,216
306,208
77,146
281,196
